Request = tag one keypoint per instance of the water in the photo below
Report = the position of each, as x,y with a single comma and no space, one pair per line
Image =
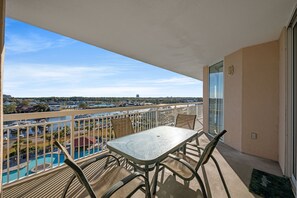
13,175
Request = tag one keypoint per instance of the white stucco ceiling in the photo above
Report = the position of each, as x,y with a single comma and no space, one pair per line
178,35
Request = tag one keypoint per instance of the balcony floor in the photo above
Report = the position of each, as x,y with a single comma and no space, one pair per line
236,167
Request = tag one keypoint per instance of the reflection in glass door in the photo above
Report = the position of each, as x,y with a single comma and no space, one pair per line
216,111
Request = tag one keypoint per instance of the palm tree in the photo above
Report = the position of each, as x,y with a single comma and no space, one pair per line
17,147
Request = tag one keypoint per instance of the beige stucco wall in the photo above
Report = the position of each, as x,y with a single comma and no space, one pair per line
205,98
282,98
260,99
233,100
251,100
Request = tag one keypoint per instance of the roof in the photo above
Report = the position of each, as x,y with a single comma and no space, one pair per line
181,36
87,141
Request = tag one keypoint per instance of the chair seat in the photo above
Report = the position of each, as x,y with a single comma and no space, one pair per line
177,167
108,179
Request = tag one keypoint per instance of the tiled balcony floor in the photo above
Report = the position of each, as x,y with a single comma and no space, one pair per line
236,167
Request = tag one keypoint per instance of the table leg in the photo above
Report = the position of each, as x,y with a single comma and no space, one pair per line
155,179
146,172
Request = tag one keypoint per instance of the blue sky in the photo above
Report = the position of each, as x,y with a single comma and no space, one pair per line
39,63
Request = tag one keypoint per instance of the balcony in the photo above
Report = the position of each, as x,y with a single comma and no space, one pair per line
28,138
34,168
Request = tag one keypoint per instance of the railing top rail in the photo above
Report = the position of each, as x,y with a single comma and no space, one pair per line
39,115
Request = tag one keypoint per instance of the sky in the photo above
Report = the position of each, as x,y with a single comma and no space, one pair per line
39,63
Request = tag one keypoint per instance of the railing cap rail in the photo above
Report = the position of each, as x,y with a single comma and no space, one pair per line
39,115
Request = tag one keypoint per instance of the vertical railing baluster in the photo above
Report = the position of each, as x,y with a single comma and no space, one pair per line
44,148
149,119
18,152
36,150
93,134
197,112
72,136
134,125
51,144
8,155
98,133
66,127
175,113
78,140
89,136
105,127
141,118
28,147
157,117
84,138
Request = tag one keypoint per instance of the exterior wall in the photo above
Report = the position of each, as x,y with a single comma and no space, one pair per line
251,100
205,98
282,98
233,100
261,100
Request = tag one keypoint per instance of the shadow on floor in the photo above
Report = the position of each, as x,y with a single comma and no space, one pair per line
171,188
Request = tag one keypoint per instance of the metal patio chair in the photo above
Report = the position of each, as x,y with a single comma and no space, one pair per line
186,168
122,126
185,121
105,186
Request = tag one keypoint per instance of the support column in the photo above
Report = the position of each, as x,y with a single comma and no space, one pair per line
2,31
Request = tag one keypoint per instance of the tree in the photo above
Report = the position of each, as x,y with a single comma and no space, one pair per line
9,109
82,105
25,103
17,146
41,108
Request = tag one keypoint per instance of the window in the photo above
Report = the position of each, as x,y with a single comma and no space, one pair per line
216,103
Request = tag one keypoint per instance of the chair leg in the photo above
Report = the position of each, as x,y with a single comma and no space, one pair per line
106,163
155,179
201,185
221,175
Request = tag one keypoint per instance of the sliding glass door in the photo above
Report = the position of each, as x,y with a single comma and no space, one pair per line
216,108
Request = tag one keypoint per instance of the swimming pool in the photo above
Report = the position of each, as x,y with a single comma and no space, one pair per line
13,175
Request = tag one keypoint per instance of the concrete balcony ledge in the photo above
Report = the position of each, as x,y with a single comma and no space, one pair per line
236,167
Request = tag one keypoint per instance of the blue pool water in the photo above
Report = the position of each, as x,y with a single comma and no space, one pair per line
13,175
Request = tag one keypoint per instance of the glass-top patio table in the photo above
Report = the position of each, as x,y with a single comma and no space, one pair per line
151,146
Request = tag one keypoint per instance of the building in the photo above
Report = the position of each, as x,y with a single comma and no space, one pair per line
242,50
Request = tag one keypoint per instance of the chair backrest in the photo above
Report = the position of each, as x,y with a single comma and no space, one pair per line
122,126
77,170
207,152
185,121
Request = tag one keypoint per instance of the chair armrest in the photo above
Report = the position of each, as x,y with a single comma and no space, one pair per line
184,162
100,157
200,133
200,148
125,181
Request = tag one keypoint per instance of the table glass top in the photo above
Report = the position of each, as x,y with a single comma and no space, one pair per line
152,145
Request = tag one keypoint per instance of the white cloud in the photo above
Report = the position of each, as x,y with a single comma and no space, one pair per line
33,42
35,80
47,72
177,81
